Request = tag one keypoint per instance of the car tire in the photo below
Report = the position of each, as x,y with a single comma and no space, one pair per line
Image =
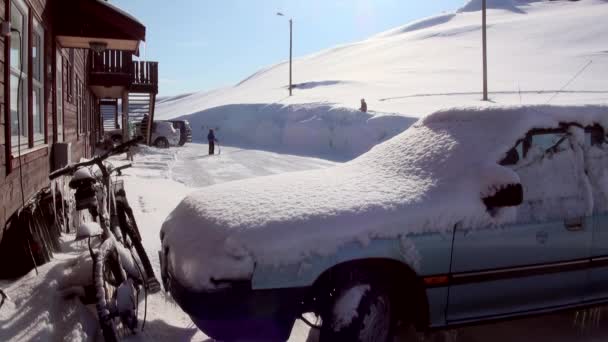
372,320
161,143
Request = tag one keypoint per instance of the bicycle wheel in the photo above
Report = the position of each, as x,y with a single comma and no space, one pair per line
128,227
115,292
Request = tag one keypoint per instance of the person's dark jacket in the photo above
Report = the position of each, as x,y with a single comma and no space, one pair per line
211,137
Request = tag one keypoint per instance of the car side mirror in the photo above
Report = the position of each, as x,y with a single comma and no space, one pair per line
509,196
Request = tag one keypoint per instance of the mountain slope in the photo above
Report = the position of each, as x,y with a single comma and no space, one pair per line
535,48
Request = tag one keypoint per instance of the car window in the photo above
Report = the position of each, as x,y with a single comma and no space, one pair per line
547,143
537,143
595,136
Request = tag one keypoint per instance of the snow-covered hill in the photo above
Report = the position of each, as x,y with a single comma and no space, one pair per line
536,48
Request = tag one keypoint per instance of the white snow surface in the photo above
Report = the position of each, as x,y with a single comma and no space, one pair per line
345,309
476,5
536,50
43,307
315,129
428,178
408,71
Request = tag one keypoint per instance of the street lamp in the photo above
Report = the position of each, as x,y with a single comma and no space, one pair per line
290,48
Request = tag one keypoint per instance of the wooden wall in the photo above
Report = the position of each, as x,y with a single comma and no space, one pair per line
36,165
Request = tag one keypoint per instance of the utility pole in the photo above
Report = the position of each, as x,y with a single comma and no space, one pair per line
290,52
290,49
485,51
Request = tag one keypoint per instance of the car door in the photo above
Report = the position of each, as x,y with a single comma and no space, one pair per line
540,260
596,165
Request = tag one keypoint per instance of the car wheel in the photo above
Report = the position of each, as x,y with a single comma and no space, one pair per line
161,143
360,312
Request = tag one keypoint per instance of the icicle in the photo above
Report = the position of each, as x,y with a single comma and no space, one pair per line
62,187
53,189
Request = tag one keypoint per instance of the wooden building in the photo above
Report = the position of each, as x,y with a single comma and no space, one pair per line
63,63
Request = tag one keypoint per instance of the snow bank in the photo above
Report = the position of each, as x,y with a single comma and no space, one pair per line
419,25
426,179
313,129
432,64
475,5
45,306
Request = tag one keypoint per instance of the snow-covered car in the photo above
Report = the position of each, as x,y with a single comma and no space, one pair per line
468,216
164,134
184,129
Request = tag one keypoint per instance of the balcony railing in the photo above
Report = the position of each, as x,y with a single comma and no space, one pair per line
117,68
144,76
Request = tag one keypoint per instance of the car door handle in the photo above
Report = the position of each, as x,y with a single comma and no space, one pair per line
574,225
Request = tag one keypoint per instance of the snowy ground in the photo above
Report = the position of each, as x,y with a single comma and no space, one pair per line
540,51
158,181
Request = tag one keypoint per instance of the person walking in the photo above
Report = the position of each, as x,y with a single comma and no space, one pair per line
212,140
363,106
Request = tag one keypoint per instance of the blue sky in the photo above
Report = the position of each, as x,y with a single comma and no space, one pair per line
207,44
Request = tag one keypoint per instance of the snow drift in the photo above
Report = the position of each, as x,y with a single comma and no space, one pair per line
508,5
426,179
313,129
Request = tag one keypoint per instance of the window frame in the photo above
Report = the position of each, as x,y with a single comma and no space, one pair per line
595,135
22,77
523,145
71,80
59,89
77,103
39,138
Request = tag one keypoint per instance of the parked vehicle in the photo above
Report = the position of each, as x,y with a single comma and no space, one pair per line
184,129
470,215
163,134
118,277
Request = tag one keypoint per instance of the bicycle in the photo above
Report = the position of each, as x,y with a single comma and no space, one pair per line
118,277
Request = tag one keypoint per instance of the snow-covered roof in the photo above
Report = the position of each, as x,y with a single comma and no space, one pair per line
426,179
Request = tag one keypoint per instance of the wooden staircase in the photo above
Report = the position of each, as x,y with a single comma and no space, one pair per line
135,82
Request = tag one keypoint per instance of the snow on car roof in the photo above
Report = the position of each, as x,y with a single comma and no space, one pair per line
428,178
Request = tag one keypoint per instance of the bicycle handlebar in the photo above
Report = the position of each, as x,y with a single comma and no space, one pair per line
120,168
69,169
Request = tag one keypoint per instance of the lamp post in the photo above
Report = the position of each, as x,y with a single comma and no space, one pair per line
485,51
290,49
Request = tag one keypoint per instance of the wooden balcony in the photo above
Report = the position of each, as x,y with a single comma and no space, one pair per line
144,77
117,69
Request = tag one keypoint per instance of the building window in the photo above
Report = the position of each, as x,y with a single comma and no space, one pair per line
38,83
18,78
71,76
80,109
59,95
